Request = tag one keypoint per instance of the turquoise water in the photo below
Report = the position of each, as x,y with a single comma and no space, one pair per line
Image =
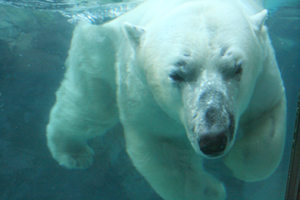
34,42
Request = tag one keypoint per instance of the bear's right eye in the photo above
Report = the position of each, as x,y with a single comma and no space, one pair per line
177,77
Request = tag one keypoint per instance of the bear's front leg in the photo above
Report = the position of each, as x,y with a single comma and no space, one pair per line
173,170
258,153
86,101
76,117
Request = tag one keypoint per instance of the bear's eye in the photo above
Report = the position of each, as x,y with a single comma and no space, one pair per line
179,74
238,68
235,71
177,77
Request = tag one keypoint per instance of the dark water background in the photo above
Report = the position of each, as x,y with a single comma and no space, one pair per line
33,48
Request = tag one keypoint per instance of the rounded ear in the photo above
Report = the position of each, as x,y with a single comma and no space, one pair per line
258,20
133,33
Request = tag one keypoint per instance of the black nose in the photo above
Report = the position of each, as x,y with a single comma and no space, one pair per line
213,144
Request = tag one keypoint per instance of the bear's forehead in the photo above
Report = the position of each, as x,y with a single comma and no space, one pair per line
198,32
202,46
201,19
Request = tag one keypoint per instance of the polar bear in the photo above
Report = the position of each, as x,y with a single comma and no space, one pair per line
189,80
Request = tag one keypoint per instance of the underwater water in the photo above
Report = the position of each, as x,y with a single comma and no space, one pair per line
34,43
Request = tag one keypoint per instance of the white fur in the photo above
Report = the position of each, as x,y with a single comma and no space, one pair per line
121,70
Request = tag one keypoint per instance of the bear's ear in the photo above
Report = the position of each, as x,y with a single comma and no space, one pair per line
133,33
258,20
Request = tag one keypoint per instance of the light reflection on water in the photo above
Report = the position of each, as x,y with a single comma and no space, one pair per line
96,12
102,11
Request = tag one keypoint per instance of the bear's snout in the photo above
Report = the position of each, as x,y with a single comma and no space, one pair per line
210,122
213,145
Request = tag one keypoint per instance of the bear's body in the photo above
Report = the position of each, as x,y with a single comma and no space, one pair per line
184,80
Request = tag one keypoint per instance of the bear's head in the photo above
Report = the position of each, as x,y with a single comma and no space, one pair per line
201,62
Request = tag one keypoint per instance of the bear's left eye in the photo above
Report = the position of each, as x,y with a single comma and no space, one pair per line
235,71
179,74
238,68
177,77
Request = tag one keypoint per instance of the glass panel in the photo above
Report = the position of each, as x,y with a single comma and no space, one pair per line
292,189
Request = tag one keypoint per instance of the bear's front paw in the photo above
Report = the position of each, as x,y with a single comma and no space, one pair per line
76,156
80,158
